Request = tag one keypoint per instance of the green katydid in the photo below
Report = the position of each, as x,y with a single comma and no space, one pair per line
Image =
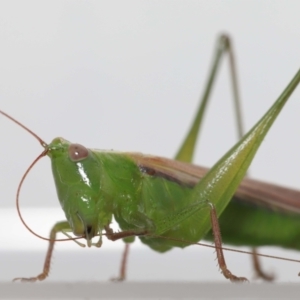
163,201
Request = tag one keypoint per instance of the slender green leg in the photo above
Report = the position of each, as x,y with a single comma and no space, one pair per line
187,149
58,227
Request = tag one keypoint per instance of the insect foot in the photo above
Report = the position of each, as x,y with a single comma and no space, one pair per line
117,279
31,279
234,278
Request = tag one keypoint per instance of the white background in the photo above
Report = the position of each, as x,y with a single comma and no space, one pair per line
127,75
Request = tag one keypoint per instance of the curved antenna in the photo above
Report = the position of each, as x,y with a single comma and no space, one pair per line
44,153
44,145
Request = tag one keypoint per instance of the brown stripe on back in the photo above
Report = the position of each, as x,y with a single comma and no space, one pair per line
256,192
154,173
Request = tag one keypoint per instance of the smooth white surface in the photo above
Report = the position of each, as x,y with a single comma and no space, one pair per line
22,255
153,290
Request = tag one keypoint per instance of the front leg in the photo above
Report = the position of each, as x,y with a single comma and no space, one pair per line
113,236
58,227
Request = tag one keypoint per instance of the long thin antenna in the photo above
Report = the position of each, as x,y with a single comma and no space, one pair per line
44,145
44,153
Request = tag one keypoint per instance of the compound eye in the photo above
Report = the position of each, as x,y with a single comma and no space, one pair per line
77,152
